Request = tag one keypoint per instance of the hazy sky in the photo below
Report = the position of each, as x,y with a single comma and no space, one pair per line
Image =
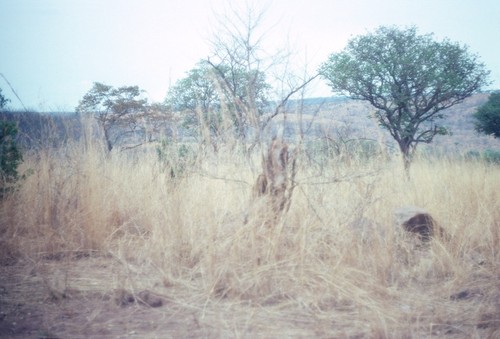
51,51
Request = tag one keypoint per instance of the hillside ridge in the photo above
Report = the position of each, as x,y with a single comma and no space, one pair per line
332,117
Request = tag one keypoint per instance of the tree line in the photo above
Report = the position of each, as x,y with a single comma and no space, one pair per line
409,78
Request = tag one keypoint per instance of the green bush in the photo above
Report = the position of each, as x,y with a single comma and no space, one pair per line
492,156
324,150
489,156
10,156
488,116
174,158
473,155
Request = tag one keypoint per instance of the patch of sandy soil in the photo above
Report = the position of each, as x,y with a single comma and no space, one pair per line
82,297
79,297
86,296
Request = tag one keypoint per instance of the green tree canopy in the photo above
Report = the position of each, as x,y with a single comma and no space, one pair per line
488,116
409,78
195,93
209,93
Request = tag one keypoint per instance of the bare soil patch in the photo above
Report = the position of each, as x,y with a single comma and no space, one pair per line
96,296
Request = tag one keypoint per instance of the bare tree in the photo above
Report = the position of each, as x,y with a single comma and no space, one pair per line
238,50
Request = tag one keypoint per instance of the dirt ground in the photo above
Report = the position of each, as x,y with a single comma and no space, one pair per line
78,297
91,296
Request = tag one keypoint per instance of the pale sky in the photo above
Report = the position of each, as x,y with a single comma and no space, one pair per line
51,51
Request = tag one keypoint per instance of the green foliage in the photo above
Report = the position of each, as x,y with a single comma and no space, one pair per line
3,100
324,150
175,158
488,116
210,93
195,91
10,156
472,155
197,98
408,78
489,156
492,156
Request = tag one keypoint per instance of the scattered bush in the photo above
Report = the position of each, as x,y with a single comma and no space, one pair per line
10,156
323,150
174,157
492,156
489,156
488,116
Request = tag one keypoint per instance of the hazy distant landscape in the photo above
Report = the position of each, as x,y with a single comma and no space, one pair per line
329,115
333,117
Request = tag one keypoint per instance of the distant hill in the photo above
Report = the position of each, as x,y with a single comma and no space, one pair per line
38,130
343,117
332,117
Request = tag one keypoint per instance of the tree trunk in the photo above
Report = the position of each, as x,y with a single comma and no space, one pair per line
107,139
405,149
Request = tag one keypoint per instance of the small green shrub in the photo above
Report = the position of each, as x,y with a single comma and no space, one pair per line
492,156
10,156
174,158
489,156
324,150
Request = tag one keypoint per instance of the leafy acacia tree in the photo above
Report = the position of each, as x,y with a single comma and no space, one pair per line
114,108
488,116
409,78
204,97
195,91
196,97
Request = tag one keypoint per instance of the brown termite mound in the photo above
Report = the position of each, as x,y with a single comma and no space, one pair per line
419,222
274,186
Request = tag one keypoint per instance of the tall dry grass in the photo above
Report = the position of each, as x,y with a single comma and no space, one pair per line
335,257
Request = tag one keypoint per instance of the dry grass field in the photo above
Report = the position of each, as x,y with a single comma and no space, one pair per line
110,245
